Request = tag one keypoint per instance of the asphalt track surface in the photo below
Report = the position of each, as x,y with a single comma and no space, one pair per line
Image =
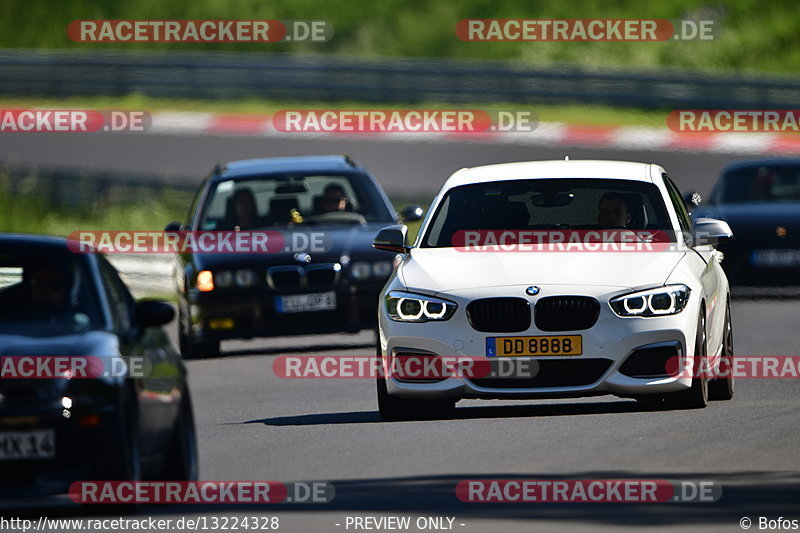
406,169
253,425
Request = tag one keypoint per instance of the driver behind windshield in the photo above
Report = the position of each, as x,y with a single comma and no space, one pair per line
761,188
245,212
49,288
613,211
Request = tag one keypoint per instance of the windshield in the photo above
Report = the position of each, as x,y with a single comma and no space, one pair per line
759,184
45,294
547,204
282,200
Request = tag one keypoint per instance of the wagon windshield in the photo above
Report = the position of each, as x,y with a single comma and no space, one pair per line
293,199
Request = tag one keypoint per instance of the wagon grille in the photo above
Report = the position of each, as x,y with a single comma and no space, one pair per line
293,277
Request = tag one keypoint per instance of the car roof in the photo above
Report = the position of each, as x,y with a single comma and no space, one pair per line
764,162
276,165
590,169
33,242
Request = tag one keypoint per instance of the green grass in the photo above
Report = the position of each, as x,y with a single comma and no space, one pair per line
28,210
756,35
570,114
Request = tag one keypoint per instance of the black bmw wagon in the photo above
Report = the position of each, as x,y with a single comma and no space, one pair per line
325,276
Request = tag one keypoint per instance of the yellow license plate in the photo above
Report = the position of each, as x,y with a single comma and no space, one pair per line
220,323
545,345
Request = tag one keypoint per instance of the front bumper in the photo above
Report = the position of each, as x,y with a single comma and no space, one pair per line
238,313
742,268
600,369
80,449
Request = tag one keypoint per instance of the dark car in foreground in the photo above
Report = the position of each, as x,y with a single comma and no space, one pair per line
760,201
325,279
127,415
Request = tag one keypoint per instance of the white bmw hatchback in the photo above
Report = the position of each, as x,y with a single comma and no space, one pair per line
606,316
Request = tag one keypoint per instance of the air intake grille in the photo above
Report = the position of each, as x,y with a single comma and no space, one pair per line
566,313
553,373
654,362
499,315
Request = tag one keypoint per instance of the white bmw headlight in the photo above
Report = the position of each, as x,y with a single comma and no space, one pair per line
669,300
408,307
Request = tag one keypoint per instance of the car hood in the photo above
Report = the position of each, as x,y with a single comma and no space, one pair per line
433,270
90,343
25,391
354,241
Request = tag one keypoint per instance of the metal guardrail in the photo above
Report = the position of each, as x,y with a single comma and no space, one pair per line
321,78
79,188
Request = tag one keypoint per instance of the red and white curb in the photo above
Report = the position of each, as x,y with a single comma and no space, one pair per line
546,134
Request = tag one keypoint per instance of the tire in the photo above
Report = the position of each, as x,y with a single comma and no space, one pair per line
721,388
393,408
120,459
191,349
696,397
196,350
124,461
180,462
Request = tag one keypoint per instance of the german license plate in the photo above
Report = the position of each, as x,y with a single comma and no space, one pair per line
38,444
546,345
303,303
776,258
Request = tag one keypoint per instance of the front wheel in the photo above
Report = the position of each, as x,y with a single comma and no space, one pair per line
190,348
392,408
181,457
122,460
722,387
696,397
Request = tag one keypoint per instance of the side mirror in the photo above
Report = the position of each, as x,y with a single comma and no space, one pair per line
710,231
411,213
151,313
392,239
174,226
